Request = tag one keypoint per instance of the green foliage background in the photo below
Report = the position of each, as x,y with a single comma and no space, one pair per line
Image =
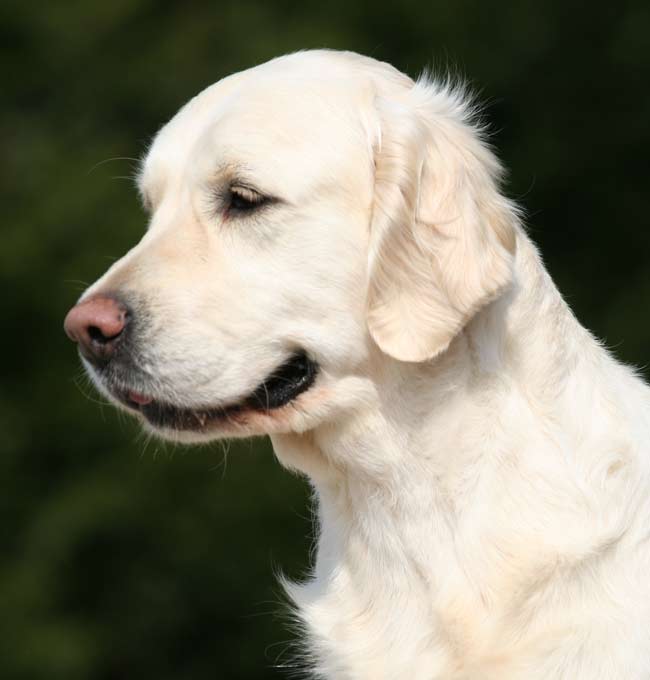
123,558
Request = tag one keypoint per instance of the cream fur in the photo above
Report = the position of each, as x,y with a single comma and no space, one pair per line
480,463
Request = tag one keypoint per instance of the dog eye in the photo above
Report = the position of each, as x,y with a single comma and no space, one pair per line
243,199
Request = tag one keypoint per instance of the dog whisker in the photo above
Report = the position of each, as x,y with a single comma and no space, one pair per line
111,160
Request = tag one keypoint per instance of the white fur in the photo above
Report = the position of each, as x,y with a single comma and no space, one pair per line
480,463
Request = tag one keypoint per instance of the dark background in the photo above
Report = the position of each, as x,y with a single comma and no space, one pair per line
123,558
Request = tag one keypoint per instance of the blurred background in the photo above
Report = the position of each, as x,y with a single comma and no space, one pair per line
125,559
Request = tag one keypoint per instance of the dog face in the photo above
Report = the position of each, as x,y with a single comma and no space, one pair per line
285,246
247,290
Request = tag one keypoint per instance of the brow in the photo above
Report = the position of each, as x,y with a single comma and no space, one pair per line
236,174
233,173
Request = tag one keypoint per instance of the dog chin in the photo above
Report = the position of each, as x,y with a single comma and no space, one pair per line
245,424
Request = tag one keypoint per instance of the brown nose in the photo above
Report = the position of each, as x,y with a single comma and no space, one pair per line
97,324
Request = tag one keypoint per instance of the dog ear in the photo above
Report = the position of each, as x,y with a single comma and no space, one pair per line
442,237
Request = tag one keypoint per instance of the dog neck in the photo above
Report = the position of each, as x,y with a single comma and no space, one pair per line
416,531
415,416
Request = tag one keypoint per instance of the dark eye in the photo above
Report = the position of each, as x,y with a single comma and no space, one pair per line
243,199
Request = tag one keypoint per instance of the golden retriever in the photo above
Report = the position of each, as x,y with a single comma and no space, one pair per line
330,261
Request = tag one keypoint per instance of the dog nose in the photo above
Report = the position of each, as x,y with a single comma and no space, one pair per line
97,325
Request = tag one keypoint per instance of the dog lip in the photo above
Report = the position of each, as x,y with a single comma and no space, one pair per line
295,376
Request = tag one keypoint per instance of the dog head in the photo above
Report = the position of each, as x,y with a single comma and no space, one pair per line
304,215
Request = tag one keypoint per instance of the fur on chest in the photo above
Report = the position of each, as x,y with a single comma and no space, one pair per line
431,595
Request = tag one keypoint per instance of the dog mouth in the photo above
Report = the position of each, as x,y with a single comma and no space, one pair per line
282,386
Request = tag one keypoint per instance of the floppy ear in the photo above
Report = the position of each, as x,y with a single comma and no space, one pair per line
442,236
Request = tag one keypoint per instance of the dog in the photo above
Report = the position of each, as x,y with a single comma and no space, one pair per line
330,260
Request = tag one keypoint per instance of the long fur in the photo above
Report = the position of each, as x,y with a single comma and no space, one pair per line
480,463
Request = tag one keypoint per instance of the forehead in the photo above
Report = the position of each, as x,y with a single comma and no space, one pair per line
281,116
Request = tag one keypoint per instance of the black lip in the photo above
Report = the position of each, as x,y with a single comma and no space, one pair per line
291,379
